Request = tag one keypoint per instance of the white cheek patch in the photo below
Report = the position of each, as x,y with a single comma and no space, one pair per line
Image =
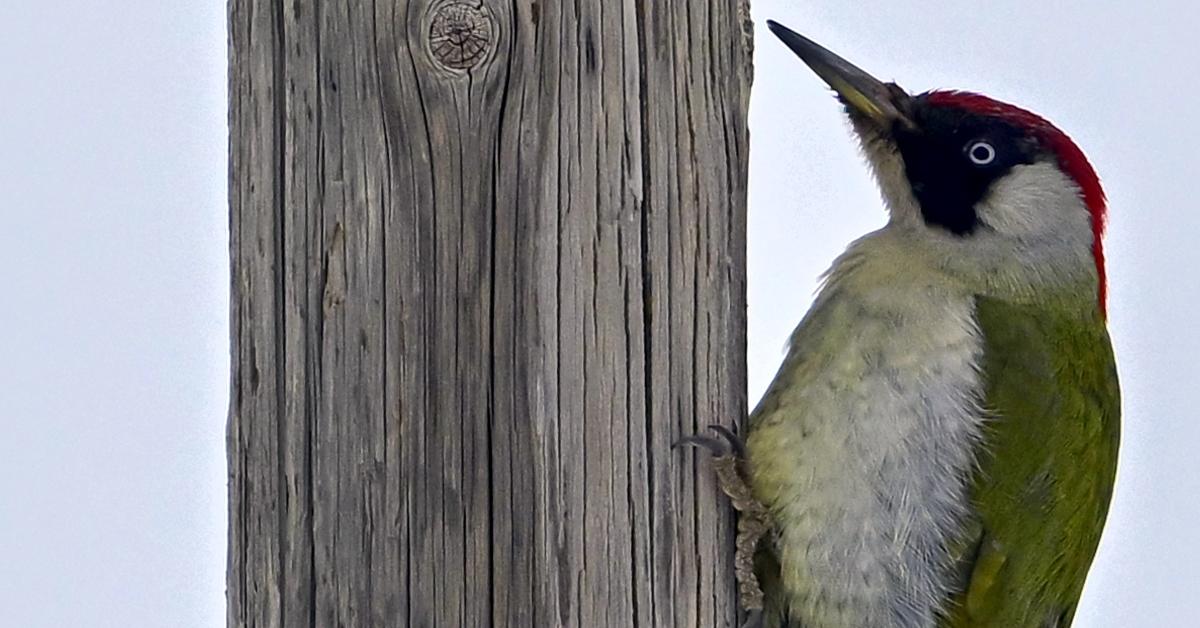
1035,201
1035,234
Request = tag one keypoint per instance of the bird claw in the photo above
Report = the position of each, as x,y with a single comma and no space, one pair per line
729,464
728,444
715,446
736,446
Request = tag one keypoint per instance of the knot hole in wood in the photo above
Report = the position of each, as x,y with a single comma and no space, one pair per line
460,34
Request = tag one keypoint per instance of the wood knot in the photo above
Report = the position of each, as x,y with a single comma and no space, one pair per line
460,34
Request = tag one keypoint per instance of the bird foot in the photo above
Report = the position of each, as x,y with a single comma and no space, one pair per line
730,465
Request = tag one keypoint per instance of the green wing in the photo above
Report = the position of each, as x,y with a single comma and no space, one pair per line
1046,468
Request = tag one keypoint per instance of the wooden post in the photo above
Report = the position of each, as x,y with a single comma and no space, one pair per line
488,264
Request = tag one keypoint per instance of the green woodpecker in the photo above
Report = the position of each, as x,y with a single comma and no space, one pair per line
939,446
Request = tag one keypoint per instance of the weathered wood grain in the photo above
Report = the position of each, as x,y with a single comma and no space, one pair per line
488,264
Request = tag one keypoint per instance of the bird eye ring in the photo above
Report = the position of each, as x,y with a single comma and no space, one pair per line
981,153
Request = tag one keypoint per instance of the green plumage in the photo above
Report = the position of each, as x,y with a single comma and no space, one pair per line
1045,471
1046,474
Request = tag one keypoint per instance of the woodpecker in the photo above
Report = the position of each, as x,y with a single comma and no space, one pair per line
939,446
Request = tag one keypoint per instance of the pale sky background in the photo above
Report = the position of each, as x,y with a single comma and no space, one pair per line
113,272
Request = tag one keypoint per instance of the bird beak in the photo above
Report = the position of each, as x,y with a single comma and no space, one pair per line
884,103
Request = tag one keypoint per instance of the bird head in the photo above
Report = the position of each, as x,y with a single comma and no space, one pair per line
995,195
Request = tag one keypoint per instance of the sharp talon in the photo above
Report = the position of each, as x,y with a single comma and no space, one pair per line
735,442
714,446
754,619
731,468
732,478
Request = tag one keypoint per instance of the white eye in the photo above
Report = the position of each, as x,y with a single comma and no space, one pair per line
981,153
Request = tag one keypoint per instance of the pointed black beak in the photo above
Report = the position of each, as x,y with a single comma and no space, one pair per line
885,103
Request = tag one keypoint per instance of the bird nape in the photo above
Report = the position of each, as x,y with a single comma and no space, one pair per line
938,448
